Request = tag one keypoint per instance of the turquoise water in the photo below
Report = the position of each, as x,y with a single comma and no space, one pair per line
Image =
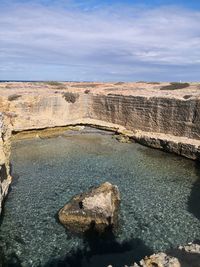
159,208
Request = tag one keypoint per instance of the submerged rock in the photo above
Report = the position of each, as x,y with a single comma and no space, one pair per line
122,138
97,208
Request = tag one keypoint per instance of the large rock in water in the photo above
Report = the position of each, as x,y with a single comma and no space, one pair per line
97,208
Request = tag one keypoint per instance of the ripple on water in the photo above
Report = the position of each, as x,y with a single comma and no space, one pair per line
159,195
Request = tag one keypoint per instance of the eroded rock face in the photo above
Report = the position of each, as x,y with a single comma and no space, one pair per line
160,260
167,120
5,178
183,256
96,208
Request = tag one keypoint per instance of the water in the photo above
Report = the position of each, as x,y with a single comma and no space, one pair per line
159,208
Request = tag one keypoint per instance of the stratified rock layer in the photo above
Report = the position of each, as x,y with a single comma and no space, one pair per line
97,209
5,178
163,119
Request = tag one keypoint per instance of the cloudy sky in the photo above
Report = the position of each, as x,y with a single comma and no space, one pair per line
103,40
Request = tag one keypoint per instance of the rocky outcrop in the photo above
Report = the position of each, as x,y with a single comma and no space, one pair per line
160,260
183,256
45,110
96,209
163,119
5,178
157,114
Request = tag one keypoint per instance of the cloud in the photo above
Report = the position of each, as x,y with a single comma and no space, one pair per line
110,43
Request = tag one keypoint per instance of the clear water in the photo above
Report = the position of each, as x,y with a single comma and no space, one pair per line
159,208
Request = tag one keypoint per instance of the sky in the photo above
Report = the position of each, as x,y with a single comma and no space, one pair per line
105,40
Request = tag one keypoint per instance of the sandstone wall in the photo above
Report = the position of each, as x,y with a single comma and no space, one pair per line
5,178
43,111
176,117
166,121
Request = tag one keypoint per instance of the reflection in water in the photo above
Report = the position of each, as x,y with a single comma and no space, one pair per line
102,250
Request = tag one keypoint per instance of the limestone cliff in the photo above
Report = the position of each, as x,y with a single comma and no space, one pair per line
172,116
5,178
168,120
170,124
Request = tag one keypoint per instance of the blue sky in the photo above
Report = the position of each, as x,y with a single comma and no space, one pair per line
100,40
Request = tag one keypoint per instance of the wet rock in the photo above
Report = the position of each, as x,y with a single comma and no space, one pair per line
160,260
123,138
98,208
191,248
183,256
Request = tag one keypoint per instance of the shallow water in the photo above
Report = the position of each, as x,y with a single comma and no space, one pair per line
159,208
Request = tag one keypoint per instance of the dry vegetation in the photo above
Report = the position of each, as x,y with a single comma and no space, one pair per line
175,86
148,82
13,97
119,83
187,96
58,85
70,97
85,85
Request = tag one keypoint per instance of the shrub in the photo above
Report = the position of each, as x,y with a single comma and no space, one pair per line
175,86
148,82
85,85
58,85
119,83
70,97
54,83
87,91
13,97
187,96
153,83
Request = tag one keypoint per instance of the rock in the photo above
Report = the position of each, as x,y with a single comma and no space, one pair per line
187,256
96,208
160,260
122,138
190,248
5,178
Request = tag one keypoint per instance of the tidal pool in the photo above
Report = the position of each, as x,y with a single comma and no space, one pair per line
159,207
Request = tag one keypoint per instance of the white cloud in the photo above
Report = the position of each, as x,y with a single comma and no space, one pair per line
99,43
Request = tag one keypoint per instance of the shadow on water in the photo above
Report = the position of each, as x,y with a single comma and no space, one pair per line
194,198
186,259
103,250
99,251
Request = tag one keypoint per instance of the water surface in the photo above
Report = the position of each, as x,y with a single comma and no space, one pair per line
159,207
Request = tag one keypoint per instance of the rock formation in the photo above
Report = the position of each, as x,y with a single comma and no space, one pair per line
5,178
97,208
160,260
183,256
163,119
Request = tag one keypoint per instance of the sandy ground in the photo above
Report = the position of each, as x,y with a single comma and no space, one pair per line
135,89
